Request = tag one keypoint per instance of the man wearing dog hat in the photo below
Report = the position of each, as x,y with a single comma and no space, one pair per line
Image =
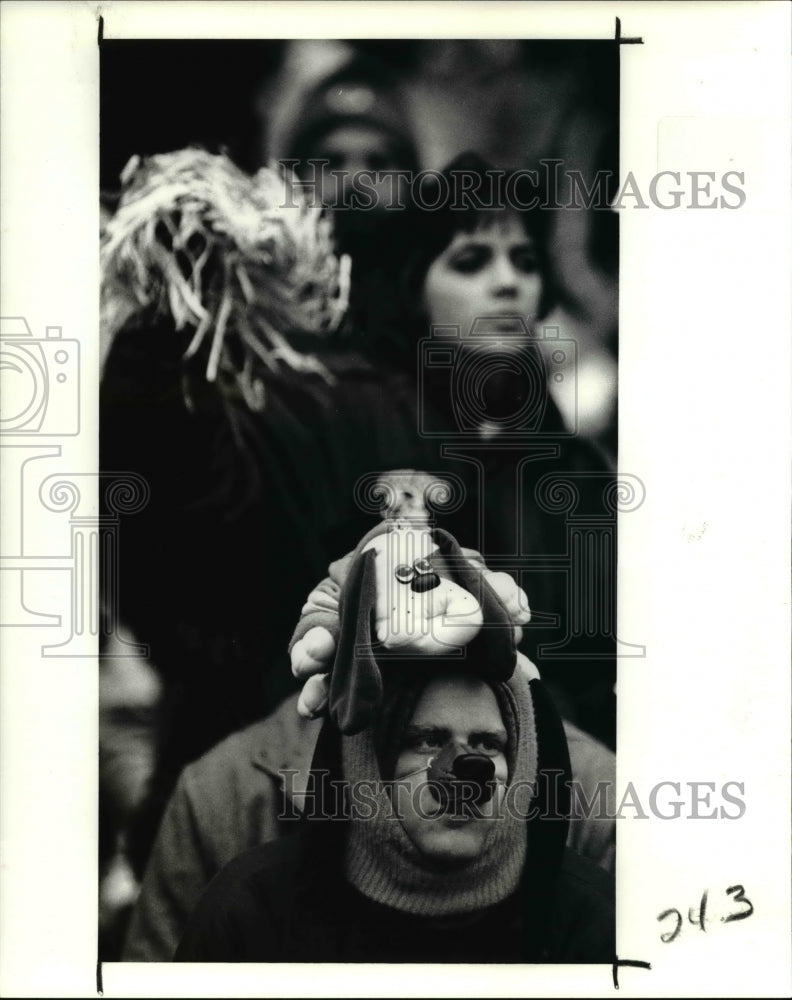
436,829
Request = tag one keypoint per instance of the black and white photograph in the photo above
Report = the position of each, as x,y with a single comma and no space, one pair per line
406,509
346,313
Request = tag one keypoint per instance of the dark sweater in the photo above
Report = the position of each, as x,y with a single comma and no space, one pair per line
252,913
288,901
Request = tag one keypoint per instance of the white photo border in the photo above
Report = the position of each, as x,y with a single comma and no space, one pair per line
704,422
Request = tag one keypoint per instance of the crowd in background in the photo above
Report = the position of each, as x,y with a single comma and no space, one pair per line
243,520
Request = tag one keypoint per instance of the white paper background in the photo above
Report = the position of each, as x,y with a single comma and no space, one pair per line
704,422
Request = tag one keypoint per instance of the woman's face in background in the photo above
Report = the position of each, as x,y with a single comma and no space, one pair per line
489,272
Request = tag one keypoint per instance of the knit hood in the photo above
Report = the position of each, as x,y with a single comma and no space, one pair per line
380,859
329,831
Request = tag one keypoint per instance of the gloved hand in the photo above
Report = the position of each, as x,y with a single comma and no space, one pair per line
421,618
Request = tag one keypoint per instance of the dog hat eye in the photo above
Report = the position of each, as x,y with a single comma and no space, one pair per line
423,566
404,573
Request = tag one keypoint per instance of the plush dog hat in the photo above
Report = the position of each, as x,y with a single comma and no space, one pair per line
407,592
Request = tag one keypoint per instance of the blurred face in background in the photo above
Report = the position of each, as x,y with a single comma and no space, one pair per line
355,147
489,272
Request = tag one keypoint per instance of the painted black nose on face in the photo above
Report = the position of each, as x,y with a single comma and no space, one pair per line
464,779
476,769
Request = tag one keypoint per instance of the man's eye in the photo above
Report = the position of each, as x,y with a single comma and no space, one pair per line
432,742
426,742
490,745
469,261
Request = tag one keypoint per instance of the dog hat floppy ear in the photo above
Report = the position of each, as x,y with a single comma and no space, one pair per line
411,593
355,681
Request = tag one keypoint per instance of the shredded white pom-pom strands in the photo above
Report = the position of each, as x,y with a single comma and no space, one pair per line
245,261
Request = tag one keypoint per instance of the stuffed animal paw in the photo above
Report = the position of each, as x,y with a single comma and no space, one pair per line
310,657
313,652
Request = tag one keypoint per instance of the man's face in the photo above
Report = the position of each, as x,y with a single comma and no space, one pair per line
463,710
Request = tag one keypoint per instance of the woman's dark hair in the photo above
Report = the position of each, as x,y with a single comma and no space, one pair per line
470,193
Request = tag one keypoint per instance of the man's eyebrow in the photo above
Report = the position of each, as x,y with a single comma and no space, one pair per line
497,734
493,734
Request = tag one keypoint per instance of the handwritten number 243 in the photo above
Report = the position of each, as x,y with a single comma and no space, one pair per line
742,909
